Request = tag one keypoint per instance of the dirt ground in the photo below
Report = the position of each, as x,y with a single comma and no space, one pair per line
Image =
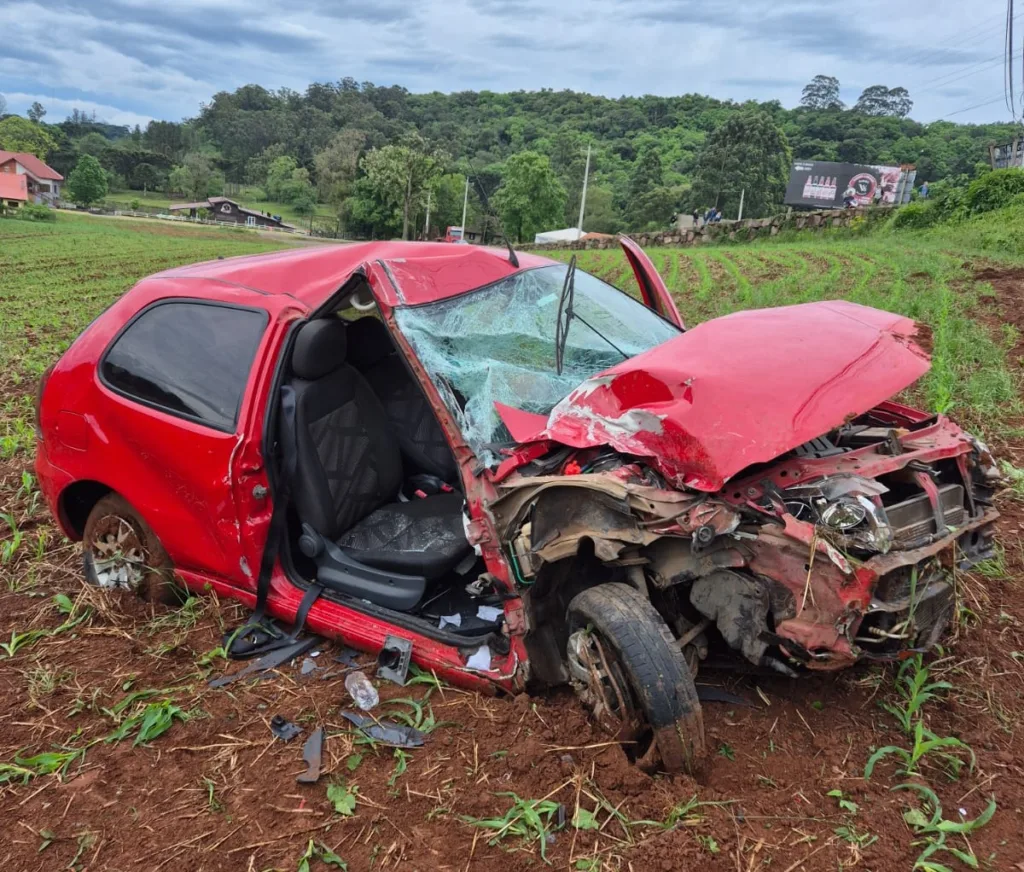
218,791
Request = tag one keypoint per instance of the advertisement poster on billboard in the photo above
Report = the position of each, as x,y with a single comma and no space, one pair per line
828,185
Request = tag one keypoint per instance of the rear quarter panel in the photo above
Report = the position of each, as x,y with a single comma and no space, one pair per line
180,475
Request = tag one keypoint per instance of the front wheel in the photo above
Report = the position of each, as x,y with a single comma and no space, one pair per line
633,678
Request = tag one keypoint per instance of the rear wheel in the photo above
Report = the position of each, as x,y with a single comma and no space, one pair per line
633,678
119,550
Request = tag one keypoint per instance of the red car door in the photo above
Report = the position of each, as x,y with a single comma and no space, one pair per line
652,287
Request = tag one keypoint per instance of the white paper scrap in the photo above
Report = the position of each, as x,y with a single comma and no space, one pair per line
489,613
480,659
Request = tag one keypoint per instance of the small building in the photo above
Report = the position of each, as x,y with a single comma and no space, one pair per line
42,182
569,234
228,211
13,191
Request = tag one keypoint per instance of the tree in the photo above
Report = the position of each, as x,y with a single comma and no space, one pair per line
147,177
530,198
92,143
822,93
338,165
196,177
400,174
750,153
87,183
286,182
19,134
882,101
648,177
304,204
36,112
900,103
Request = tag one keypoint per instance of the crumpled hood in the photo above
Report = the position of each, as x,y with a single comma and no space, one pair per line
738,390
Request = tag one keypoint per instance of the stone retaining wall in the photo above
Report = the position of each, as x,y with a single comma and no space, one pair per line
747,229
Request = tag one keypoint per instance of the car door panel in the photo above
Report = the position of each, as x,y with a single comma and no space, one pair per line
653,290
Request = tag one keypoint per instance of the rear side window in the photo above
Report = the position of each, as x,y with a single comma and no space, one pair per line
189,359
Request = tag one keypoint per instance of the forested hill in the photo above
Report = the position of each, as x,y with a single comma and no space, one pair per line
651,155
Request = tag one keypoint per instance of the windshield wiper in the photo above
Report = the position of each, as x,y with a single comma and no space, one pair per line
566,313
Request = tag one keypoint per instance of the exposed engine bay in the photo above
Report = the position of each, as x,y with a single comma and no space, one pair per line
842,549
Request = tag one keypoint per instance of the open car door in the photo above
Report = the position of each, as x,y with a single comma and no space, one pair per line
652,287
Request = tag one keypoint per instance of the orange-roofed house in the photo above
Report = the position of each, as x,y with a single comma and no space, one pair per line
13,190
42,182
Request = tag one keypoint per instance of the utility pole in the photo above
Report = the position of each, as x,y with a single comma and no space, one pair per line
426,224
465,204
583,199
740,216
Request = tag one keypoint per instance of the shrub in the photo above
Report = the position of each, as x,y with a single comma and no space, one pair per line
33,212
135,204
915,215
994,190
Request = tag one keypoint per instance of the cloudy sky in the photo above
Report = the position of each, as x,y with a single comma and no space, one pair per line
132,60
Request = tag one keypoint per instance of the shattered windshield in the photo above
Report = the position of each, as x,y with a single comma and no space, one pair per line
498,344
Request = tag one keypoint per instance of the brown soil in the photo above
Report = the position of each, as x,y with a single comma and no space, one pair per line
772,765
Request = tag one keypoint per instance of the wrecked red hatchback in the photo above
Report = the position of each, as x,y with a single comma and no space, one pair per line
509,472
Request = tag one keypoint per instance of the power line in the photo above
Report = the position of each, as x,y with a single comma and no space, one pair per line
975,106
938,83
969,37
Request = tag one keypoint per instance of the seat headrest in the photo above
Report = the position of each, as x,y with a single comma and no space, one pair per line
320,348
368,342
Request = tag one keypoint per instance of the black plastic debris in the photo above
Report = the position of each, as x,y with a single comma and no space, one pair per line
707,693
386,732
312,756
394,659
270,660
347,657
283,729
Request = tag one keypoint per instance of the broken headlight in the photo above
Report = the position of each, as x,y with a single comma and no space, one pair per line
845,510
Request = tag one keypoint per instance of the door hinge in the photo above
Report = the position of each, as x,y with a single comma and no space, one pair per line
259,492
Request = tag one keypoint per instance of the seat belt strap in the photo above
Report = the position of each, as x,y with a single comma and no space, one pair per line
312,595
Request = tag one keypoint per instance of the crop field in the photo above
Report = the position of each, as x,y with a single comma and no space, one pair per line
115,754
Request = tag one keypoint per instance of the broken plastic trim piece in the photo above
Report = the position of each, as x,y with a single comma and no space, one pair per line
394,660
270,660
312,756
284,729
386,732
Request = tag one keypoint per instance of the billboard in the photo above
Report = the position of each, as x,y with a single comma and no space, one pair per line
821,184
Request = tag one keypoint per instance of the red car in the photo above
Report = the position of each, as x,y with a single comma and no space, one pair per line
529,475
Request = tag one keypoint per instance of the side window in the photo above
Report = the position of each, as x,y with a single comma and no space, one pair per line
188,359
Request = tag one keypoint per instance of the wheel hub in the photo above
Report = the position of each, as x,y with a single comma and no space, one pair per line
118,555
600,684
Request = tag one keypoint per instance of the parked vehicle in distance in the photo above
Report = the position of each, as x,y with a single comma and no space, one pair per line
529,475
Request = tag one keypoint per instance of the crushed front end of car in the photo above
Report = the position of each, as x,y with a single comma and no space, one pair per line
792,512
844,548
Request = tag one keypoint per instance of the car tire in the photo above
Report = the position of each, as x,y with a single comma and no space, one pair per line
634,646
120,550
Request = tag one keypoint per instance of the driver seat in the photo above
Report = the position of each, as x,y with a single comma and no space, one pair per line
348,475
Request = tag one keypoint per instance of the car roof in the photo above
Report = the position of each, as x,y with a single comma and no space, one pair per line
420,272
